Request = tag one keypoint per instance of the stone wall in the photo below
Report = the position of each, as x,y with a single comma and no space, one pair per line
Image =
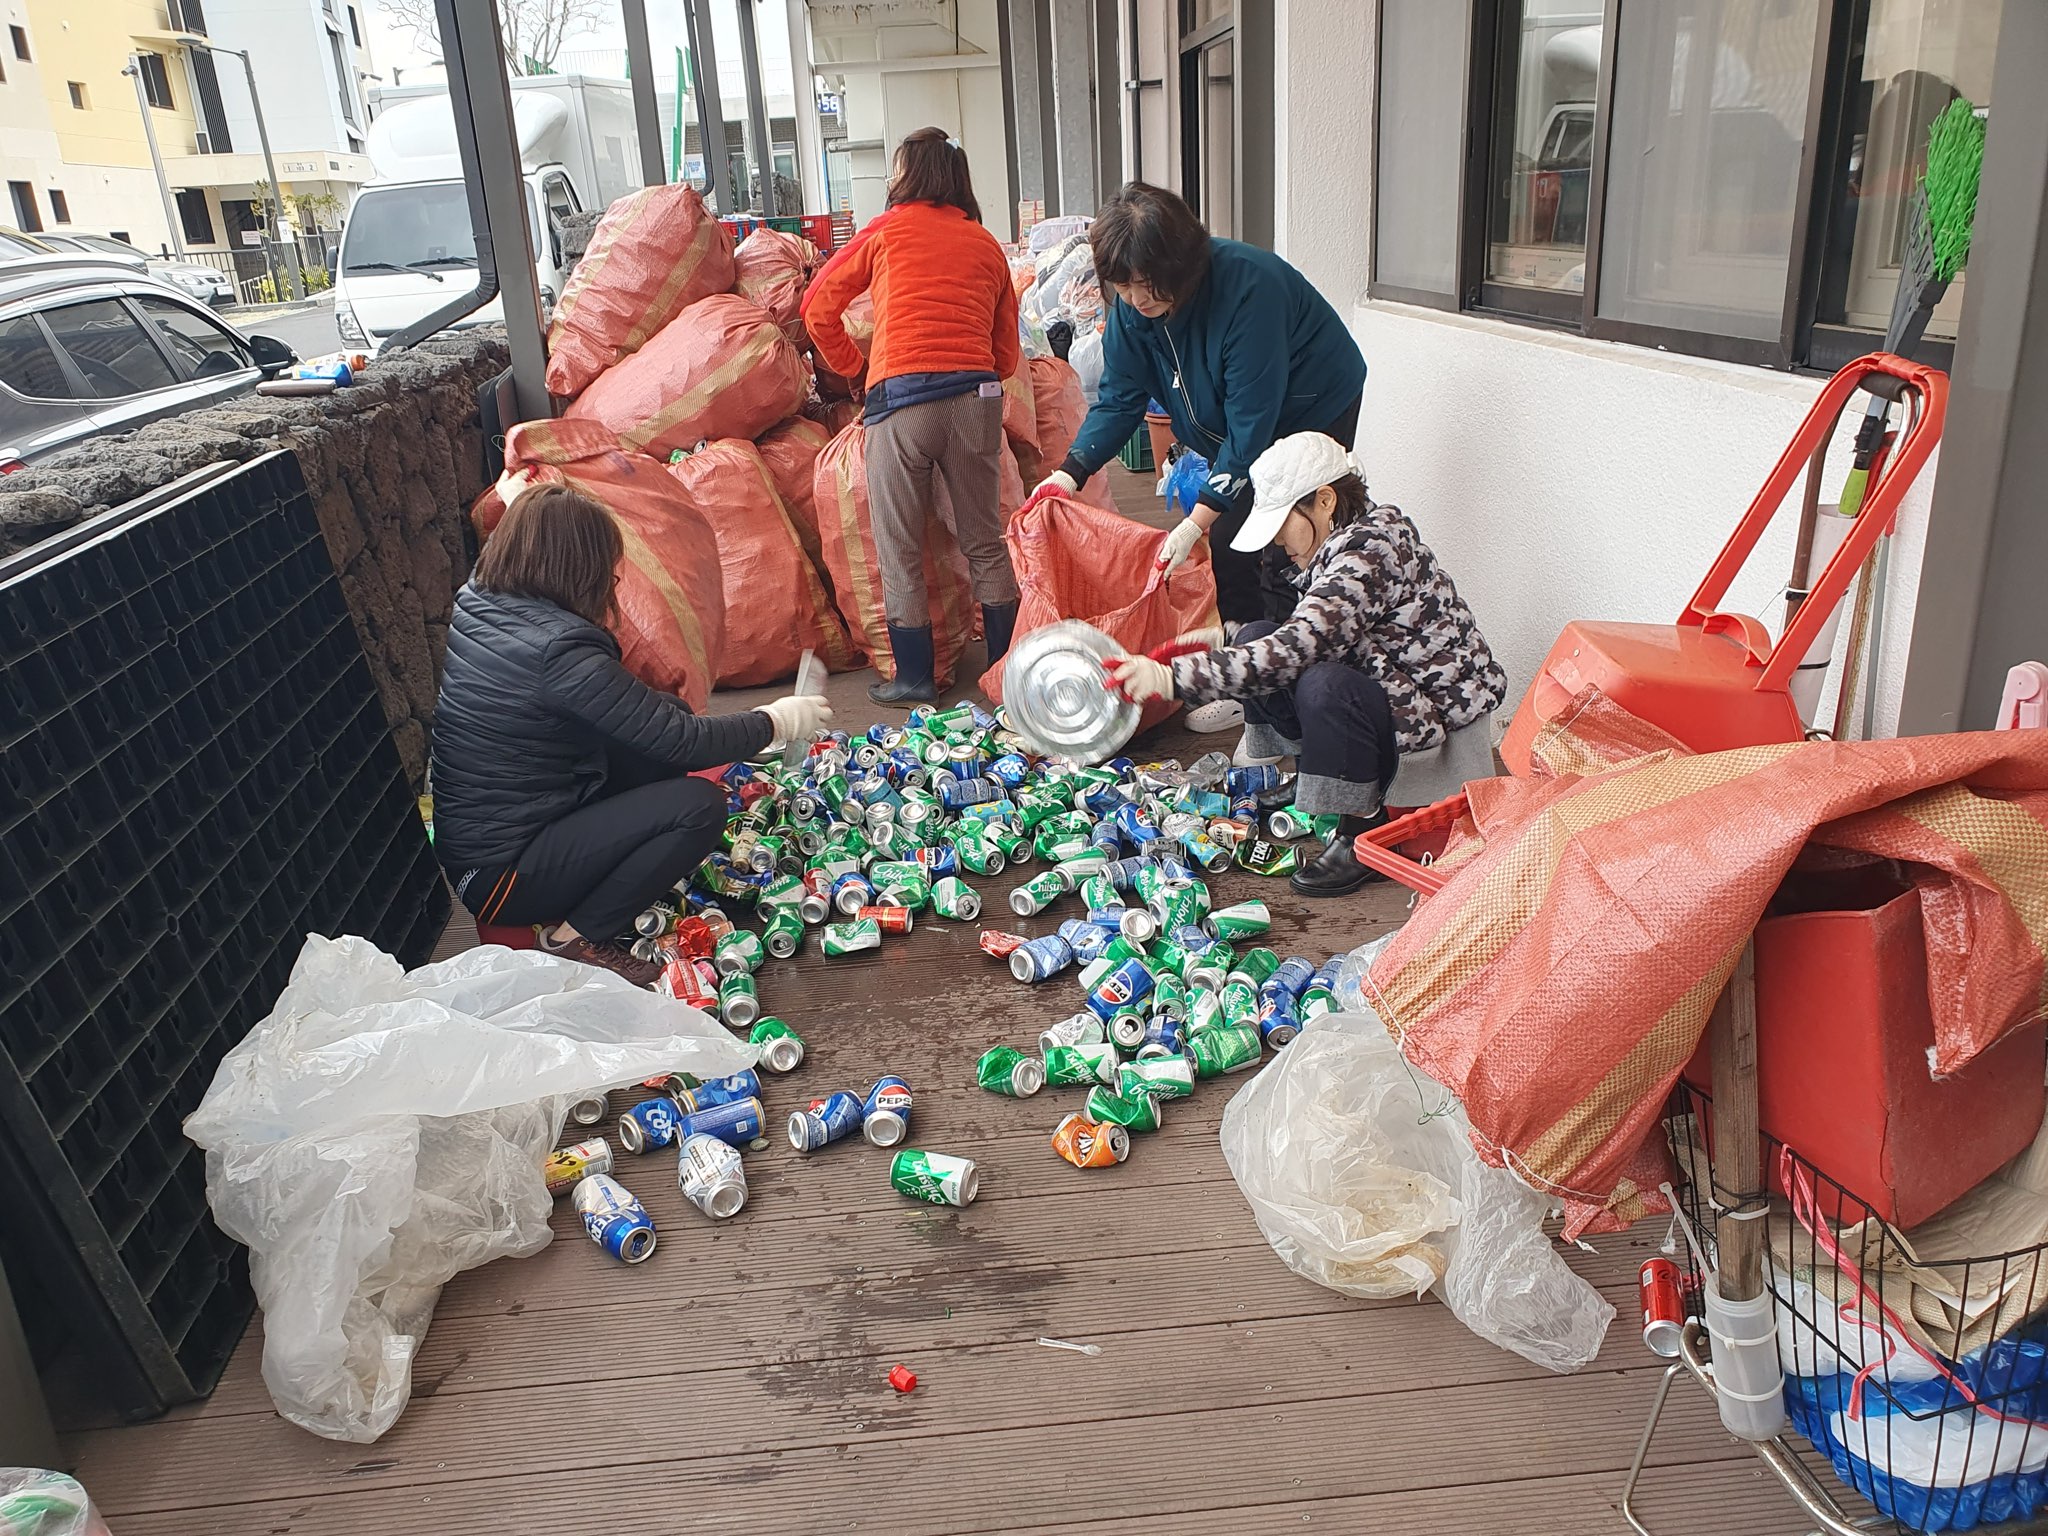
392,462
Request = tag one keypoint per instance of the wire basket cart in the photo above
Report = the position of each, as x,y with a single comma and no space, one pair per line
1918,1379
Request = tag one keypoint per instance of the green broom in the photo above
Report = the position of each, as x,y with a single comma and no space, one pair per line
1937,246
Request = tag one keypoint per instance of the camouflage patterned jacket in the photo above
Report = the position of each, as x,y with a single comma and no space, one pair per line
1373,597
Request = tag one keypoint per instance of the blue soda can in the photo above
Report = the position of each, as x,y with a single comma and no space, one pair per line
1192,939
1010,770
741,1123
1041,959
1245,808
649,1124
1102,799
1085,938
907,768
616,1221
721,1090
1254,780
852,891
832,1118
1128,984
1164,1036
1277,1021
884,735
1123,873
1290,981
885,1112
939,860
1111,918
957,794
1106,838
983,720
1137,827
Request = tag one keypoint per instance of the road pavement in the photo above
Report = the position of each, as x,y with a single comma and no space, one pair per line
308,332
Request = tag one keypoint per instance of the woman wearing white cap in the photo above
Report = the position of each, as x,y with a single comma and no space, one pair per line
1381,667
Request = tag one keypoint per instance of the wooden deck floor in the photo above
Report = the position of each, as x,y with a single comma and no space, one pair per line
735,1381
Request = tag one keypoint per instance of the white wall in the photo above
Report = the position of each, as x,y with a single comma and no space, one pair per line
1322,183
287,45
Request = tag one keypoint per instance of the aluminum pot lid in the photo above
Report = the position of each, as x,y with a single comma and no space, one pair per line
1056,692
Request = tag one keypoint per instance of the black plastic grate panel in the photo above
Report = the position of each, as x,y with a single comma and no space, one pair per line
194,774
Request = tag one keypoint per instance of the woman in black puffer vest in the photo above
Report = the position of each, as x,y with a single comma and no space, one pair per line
562,795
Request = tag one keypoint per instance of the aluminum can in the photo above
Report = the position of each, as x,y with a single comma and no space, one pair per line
1138,1113
1010,1072
850,938
712,1176
1255,779
566,1167
616,1221
1038,960
1205,1011
739,952
885,1111
1170,1077
1169,996
1163,1037
1076,1065
1290,979
1088,1144
957,794
1240,1003
1225,1049
695,937
1099,894
1204,850
1127,1030
851,892
720,1090
1080,1029
815,905
888,919
1088,940
1138,925
657,919
782,1048
591,1110
832,1118
744,1123
1010,770
782,891
1246,920
1277,1023
938,861
1663,1306
1209,968
1128,984
1176,907
1255,967
649,1124
681,980
1038,893
934,1178
739,1000
955,899
977,854
783,935
1000,946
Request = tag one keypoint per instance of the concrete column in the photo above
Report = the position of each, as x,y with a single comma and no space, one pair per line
1073,100
810,139
1030,39
1110,172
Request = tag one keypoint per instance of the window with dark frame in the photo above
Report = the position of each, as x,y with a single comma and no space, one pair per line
1757,214
156,82
60,207
355,27
78,97
1208,84
341,78
19,36
23,195
193,215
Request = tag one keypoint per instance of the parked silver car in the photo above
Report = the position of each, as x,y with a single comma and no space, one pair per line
89,346
209,285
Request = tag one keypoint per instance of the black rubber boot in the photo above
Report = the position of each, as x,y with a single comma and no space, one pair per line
998,624
1336,870
914,680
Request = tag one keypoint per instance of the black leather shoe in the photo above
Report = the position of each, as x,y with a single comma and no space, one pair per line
1336,870
914,680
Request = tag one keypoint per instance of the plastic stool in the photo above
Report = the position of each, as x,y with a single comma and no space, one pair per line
511,938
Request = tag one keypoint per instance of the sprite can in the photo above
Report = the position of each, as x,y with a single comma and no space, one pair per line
740,952
783,934
1167,1077
1010,1072
782,1048
1139,1112
1071,1066
850,938
1227,1049
739,1000
1255,967
934,1178
954,898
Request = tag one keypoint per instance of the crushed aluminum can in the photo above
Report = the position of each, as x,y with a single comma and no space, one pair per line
1089,1144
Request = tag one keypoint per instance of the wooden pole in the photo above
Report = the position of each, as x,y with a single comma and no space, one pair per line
1738,1141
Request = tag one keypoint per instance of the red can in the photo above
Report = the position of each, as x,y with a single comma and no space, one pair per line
682,980
891,919
1663,1307
999,945
693,937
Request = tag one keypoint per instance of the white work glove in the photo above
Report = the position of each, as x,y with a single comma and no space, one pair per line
1058,483
1185,535
797,717
1142,679
1209,639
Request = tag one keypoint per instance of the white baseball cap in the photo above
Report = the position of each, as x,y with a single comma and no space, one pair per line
1292,468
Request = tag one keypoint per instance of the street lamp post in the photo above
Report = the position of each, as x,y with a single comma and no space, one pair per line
291,245
163,185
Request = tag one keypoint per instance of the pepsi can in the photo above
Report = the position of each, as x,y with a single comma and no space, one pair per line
649,1124
852,891
1128,984
1277,1022
742,1123
721,1090
616,1221
885,1112
832,1118
1135,826
938,861
1041,959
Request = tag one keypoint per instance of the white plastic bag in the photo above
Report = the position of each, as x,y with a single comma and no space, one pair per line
383,1130
1362,1177
38,1503
1086,357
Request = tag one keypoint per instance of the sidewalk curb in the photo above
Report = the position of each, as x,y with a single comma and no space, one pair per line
246,312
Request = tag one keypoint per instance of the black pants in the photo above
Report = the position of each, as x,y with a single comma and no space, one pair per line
1254,586
1345,725
605,863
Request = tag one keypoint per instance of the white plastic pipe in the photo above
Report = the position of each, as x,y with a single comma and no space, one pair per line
1829,533
1747,1378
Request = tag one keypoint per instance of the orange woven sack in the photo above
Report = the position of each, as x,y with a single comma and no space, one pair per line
772,269
654,253
1056,392
855,569
719,369
775,605
791,451
671,618
1075,561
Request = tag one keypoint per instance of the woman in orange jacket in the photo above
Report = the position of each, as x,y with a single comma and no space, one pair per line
945,339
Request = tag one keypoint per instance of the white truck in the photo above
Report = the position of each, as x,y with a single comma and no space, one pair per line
407,247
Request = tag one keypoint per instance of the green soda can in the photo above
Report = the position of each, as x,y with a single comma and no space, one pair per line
1076,871
1205,1011
905,884
944,722
1099,894
1010,1072
1106,1106
1071,1066
955,899
833,791
1038,893
771,852
781,1047
1263,856
1121,949
1316,1002
1035,807
977,854
782,891
1168,957
1255,966
1178,906
1210,967
1011,843
740,952
739,1001
1169,996
1150,880
1165,1077
898,841
1243,921
1240,1002
850,938
1229,1049
934,1178
783,934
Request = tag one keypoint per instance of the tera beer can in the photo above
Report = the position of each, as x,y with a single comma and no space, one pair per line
832,1118
1167,1077
1010,1072
567,1167
1138,1112
934,1178
1074,1065
782,1048
720,1090
591,1110
1080,1029
1041,959
885,1111
849,938
649,1124
743,1123
954,898
712,1176
739,1000
1227,1048
1089,1144
616,1221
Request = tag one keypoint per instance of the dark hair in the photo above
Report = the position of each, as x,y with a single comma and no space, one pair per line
931,168
559,546
1145,234
1352,502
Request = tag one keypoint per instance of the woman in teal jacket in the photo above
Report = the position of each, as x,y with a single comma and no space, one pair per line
1235,343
